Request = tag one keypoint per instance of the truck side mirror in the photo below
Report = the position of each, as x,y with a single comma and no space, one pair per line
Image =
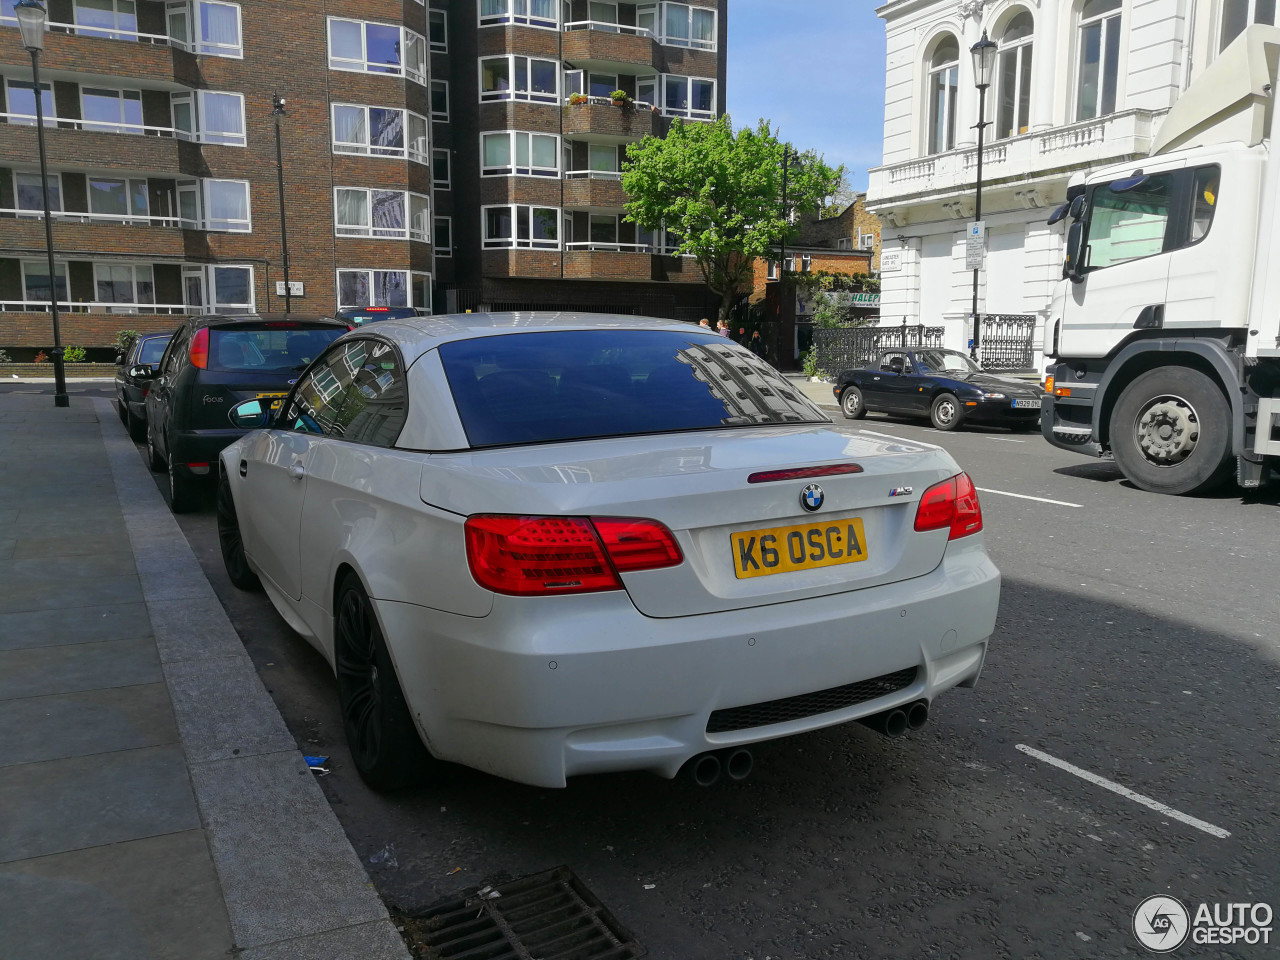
1077,208
1071,268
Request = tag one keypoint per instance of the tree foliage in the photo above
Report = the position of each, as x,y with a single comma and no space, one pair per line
719,193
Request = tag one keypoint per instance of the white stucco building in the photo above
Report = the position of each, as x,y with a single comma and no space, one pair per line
1077,84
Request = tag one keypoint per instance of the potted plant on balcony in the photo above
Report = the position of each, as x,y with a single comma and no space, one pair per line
620,98
577,98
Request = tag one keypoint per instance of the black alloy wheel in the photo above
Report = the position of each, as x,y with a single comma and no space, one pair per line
231,542
184,491
384,743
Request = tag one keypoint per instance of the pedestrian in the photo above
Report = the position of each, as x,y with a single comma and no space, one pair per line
704,324
722,328
757,346
742,336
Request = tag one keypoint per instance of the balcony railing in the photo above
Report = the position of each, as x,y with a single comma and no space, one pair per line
107,33
605,27
593,175
606,247
420,234
608,101
99,126
224,224
42,306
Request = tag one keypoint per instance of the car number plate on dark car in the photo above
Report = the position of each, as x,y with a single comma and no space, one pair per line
1026,404
759,553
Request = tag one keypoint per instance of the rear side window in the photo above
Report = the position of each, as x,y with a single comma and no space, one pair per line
152,350
268,349
569,385
357,393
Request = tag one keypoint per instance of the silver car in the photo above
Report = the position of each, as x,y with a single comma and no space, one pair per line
544,545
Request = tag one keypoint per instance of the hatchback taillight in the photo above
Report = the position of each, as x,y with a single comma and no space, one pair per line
950,504
527,556
198,352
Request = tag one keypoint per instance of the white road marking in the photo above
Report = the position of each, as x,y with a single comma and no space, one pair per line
887,436
1007,439
1125,792
1023,496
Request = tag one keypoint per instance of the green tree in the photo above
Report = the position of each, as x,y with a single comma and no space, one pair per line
719,192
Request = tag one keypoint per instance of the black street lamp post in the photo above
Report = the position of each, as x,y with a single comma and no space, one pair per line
984,58
31,22
277,111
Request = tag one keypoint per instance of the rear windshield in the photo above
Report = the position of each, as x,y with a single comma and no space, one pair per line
383,313
268,349
570,385
152,350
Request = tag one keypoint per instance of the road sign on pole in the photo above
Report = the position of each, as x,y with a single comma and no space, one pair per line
975,245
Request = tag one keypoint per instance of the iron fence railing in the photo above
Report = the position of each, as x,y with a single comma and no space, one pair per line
842,348
1008,343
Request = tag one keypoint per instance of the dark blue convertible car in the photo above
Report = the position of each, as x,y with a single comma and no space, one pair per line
943,385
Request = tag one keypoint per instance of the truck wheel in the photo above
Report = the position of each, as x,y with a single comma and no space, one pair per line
946,412
1171,432
851,404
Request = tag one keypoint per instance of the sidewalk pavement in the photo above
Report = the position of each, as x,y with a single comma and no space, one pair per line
152,802
817,391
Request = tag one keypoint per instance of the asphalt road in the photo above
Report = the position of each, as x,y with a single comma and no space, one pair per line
1136,642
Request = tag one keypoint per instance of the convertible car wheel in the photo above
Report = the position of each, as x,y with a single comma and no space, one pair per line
946,412
851,404
384,743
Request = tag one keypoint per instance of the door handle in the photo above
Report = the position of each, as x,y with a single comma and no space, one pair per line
297,472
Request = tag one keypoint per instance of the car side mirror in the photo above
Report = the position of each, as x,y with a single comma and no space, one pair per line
142,371
249,415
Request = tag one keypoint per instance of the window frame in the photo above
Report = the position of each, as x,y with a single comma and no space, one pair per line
1023,53
367,148
688,112
54,175
61,268
514,168
1172,222
207,275
688,41
442,251
447,154
514,242
124,306
114,32
215,49
410,276
111,126
200,133
1108,21
435,116
51,117
432,45
369,231
409,40
323,362
512,93
130,184
513,16
935,105
202,194
1251,18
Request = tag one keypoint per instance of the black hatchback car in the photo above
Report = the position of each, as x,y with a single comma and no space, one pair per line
132,384
210,365
943,385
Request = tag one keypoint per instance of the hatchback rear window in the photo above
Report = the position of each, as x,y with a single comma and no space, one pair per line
370,314
268,349
152,350
571,385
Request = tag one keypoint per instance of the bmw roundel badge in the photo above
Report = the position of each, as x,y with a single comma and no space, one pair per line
811,497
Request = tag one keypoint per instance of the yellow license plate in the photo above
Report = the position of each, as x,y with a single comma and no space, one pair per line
276,399
759,553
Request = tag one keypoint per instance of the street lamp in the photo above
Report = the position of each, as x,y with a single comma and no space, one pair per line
277,111
31,22
984,60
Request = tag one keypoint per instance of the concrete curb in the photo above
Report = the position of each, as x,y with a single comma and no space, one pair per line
292,883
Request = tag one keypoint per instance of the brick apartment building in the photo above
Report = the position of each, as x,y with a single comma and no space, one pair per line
431,158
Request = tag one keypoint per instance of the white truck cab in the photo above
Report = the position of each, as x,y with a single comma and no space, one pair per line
1164,330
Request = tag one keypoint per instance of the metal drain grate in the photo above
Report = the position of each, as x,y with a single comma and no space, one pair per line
549,916
809,704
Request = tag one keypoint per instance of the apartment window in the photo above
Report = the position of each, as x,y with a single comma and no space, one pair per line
520,226
602,158
647,90
207,27
370,131
111,111
35,281
866,241
373,288
844,243
519,78
214,205
381,214
364,47
21,100
601,84
118,198
687,26
124,283
771,270
691,97
443,236
418,138
112,19
441,174
438,31
29,195
1013,72
603,229
1238,14
944,71
208,116
226,290
516,153
806,263
532,13
439,100
1099,64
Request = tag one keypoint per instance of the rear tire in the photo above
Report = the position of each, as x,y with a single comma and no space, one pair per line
157,463
1171,432
851,404
232,543
122,410
946,412
137,426
184,493
385,746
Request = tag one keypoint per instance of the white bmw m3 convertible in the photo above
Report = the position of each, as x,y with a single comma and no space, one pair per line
544,545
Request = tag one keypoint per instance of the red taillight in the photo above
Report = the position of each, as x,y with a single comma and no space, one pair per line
637,544
282,325
547,555
376,309
952,503
804,473
198,352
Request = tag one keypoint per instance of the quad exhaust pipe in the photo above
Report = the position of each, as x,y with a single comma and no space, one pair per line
896,722
706,768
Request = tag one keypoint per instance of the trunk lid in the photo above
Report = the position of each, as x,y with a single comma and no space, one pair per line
698,485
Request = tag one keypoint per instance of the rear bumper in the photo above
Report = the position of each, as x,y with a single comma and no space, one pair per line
201,446
540,690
